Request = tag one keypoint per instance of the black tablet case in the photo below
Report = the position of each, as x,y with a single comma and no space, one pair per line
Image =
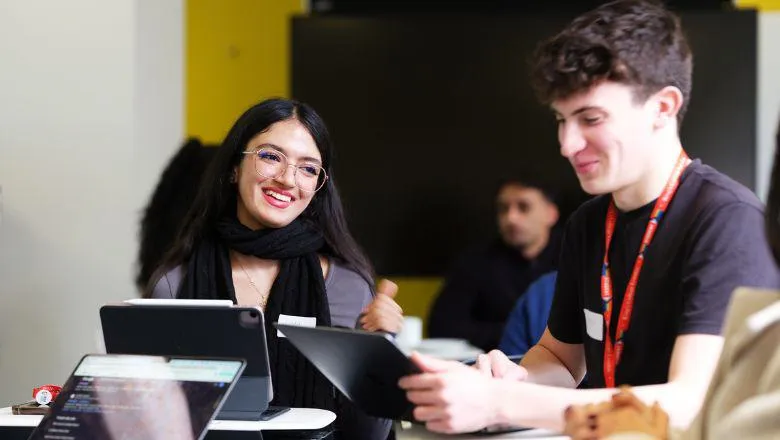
365,366
209,331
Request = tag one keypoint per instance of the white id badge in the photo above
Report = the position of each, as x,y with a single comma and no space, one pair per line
594,325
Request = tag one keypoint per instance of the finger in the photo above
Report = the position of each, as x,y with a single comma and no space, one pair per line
390,325
387,287
498,363
390,320
377,314
370,323
658,416
425,398
421,382
620,400
394,325
427,413
384,302
385,307
635,402
432,365
517,373
505,368
498,355
584,433
483,365
567,413
385,315
628,399
366,320
575,414
591,410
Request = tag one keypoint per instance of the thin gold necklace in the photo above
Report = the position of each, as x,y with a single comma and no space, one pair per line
262,299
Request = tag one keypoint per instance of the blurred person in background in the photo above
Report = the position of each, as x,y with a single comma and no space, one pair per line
484,284
169,203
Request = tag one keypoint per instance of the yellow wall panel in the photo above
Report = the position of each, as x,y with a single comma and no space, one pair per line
762,5
416,295
237,54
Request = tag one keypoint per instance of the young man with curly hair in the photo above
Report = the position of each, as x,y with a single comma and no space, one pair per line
647,266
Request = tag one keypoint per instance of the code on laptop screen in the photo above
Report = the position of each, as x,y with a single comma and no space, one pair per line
138,397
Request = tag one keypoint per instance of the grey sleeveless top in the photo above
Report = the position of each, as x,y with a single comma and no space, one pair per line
348,293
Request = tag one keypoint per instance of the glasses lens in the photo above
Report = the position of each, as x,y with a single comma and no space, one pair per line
310,177
270,163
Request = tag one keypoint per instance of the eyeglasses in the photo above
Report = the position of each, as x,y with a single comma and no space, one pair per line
272,163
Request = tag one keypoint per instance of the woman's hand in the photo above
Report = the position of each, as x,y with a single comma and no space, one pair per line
582,421
383,314
624,414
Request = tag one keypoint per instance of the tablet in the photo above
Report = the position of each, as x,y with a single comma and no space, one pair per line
139,397
198,330
364,366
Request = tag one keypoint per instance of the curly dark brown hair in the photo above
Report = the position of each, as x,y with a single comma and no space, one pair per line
639,43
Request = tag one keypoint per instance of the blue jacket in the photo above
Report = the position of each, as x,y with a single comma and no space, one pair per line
528,319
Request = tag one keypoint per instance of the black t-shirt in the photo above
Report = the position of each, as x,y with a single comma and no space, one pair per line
482,289
710,242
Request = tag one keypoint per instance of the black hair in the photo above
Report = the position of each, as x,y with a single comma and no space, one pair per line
548,193
639,43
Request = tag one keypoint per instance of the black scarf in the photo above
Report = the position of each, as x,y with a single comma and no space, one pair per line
299,290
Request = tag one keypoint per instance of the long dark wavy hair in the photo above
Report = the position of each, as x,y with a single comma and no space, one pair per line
172,197
217,195
773,203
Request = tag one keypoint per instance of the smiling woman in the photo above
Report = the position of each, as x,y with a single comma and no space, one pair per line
279,189
267,229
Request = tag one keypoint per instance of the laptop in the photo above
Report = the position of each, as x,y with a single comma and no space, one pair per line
198,329
139,397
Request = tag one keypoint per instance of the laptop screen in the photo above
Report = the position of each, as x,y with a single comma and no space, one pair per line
139,397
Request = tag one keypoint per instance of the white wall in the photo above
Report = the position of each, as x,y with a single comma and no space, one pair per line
159,89
90,109
768,97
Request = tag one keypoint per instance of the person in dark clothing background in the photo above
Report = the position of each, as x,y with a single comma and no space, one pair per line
484,284
168,204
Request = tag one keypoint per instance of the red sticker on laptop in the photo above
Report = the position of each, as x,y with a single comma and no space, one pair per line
46,394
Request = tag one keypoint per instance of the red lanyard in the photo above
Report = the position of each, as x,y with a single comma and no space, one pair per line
612,356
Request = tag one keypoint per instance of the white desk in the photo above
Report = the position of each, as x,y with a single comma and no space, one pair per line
418,432
296,419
